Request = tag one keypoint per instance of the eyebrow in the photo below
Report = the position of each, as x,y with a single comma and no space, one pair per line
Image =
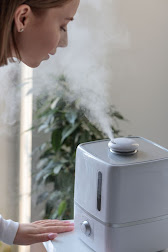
70,18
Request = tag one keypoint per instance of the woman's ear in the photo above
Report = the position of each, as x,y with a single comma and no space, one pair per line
21,17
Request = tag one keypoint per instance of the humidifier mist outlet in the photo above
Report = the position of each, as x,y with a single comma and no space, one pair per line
123,146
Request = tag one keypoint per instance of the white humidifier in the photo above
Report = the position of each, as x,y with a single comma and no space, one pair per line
121,195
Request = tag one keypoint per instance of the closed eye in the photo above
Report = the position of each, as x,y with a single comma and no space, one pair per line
63,29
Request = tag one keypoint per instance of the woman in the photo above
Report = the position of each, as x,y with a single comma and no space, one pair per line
30,31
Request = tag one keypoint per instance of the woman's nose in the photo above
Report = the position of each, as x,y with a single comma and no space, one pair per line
63,40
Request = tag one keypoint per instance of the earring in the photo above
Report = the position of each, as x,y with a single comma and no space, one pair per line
21,29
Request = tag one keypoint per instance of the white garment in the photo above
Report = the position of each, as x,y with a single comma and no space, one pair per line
8,230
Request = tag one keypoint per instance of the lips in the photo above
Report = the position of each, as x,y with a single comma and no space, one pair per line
48,56
53,52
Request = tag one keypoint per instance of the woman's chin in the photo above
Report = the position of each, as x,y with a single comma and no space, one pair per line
32,64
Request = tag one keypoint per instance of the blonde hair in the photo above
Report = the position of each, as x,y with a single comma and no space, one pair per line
7,11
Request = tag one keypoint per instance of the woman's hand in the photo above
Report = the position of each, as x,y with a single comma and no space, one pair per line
41,231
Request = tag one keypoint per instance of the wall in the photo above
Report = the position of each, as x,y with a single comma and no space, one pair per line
140,73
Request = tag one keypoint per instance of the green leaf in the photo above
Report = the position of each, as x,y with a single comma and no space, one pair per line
57,169
54,103
42,163
42,174
39,176
68,131
118,115
62,78
47,153
71,116
49,207
62,207
49,166
77,137
42,197
42,127
55,196
43,146
47,178
56,139
54,215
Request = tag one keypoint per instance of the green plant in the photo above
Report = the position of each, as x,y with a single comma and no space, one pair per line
68,126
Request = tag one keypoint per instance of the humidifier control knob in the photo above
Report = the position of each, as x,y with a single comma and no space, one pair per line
85,227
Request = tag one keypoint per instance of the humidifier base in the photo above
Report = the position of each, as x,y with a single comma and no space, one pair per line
144,237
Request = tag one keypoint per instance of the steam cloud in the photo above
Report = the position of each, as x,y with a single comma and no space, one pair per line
84,63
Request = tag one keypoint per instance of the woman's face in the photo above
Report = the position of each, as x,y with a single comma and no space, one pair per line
43,33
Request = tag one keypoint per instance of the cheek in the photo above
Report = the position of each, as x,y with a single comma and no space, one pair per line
36,45
46,41
43,40
51,39
55,40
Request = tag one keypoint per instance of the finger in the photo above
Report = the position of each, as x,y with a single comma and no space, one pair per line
44,237
48,222
58,229
45,221
57,224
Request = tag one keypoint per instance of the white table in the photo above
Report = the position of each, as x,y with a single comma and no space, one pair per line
67,242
